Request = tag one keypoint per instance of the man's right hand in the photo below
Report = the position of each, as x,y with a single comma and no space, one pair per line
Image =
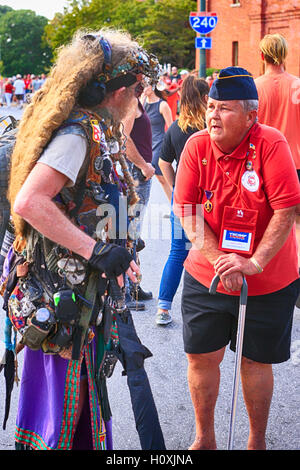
113,261
232,282
148,171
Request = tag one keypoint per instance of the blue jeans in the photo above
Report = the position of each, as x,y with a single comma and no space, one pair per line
174,266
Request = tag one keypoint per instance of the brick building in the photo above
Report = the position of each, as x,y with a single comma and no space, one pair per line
242,24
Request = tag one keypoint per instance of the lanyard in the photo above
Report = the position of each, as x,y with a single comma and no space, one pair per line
249,165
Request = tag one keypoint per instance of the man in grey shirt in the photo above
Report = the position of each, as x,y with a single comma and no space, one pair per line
96,75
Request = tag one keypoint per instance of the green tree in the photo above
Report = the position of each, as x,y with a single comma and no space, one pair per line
79,15
163,27
4,9
167,32
22,49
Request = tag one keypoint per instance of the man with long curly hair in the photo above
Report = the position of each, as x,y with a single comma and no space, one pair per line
68,159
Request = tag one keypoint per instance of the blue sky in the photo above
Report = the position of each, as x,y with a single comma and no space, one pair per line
41,7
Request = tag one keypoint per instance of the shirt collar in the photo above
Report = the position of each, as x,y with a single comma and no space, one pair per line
239,152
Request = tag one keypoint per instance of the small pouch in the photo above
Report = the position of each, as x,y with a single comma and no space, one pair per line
63,336
238,230
34,334
66,307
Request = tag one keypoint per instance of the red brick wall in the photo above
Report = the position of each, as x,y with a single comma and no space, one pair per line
247,24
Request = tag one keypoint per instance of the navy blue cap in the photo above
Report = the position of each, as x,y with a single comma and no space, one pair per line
233,83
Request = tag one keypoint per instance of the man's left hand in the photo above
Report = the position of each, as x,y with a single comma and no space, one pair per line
232,262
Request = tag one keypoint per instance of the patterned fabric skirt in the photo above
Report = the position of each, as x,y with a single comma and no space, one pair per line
48,405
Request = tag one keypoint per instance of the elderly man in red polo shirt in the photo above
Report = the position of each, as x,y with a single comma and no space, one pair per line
236,194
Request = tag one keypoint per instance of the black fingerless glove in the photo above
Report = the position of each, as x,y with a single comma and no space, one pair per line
110,259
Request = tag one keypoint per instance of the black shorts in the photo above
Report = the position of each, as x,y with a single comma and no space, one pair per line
210,321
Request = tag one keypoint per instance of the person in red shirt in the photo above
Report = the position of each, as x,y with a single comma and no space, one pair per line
236,193
279,103
173,98
279,93
8,91
27,82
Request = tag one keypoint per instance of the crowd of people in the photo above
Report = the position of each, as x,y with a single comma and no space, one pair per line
13,90
234,195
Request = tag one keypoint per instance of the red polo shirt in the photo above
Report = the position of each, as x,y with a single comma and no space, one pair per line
203,167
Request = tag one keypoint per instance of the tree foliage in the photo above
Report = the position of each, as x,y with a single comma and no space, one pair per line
22,49
168,32
4,9
162,27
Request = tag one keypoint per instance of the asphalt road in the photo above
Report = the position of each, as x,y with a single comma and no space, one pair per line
167,368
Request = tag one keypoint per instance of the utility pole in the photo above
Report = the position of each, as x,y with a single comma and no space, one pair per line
202,52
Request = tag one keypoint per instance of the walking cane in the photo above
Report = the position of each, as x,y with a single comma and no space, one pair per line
238,353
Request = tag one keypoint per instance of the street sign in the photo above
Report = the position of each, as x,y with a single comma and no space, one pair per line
203,43
203,23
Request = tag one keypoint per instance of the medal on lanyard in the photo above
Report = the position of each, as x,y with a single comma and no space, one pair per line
208,204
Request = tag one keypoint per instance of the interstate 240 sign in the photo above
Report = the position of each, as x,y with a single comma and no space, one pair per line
203,23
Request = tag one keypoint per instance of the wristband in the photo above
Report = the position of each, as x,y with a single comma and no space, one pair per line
256,264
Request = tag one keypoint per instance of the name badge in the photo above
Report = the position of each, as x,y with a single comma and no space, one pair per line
238,230
234,240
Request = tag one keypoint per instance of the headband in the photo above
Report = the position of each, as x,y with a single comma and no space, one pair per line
138,65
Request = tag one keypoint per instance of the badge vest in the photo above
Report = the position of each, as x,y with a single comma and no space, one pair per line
52,279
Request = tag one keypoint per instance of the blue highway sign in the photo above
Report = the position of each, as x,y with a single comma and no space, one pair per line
203,23
203,43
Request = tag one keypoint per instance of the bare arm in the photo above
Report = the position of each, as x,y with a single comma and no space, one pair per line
275,235
273,239
135,157
166,112
204,240
132,152
201,236
34,204
168,172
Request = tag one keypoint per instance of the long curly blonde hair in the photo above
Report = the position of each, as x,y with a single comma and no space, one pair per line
77,63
